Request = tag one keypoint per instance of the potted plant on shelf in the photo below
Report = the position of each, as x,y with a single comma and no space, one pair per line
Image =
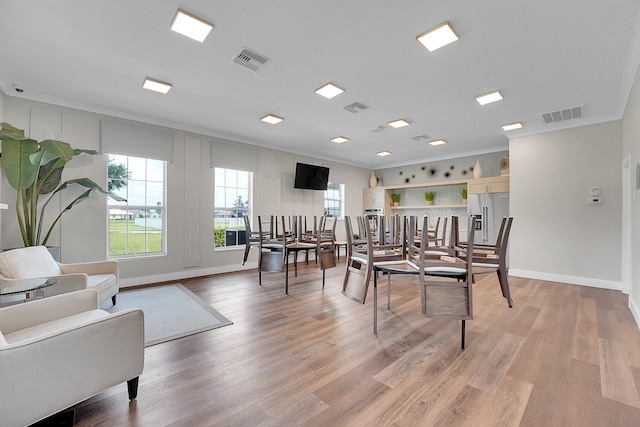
34,169
463,193
429,196
395,198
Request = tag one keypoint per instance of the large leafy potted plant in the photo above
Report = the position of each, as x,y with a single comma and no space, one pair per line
34,169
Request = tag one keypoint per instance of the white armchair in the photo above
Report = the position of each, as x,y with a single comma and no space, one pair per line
26,268
56,352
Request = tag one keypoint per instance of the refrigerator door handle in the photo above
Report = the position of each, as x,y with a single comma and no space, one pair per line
485,219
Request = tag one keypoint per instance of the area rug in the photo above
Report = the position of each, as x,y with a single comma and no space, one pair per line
170,312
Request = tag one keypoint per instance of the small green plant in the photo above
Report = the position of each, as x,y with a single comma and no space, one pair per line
463,192
395,198
429,196
219,237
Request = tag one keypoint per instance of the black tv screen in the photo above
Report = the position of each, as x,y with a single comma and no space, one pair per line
310,177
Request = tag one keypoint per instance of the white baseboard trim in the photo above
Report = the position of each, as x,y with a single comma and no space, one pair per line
185,274
573,280
635,311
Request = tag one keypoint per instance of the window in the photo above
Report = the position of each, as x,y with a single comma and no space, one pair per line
232,202
136,226
333,200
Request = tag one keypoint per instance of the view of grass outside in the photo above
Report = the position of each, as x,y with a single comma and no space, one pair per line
140,239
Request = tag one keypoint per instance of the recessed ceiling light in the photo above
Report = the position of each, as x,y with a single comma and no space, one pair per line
383,153
512,126
156,86
271,119
398,123
437,142
437,37
339,139
191,26
329,90
489,98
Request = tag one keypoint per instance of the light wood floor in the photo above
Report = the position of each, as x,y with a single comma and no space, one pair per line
564,355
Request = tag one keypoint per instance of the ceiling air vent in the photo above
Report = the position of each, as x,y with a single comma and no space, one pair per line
356,107
420,137
377,129
562,115
250,60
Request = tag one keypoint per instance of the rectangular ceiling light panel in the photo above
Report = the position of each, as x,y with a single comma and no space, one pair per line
512,126
156,86
489,98
191,26
398,123
339,139
271,119
329,90
437,142
437,37
383,153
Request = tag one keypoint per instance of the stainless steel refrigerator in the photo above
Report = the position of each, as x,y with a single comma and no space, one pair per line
489,210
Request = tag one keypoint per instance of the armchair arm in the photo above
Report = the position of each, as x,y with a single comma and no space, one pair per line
21,316
90,268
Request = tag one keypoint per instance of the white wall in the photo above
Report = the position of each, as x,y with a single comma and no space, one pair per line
631,147
556,235
82,234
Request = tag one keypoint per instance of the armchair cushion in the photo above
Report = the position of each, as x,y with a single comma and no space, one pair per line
20,264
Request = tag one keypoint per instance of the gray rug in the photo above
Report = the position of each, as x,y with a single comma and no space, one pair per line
170,312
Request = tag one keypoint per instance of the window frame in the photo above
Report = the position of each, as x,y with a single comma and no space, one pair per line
129,207
340,199
248,211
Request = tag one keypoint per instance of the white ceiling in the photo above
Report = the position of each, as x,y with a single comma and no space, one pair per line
544,55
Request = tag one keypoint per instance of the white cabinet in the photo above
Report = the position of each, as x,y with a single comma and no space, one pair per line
373,198
492,184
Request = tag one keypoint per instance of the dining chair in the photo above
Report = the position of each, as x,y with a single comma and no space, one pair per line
433,233
490,258
449,295
440,248
252,239
326,249
271,257
361,259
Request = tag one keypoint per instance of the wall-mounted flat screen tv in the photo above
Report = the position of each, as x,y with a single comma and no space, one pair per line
311,177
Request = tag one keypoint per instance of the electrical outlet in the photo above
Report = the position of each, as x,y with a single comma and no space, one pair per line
595,200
